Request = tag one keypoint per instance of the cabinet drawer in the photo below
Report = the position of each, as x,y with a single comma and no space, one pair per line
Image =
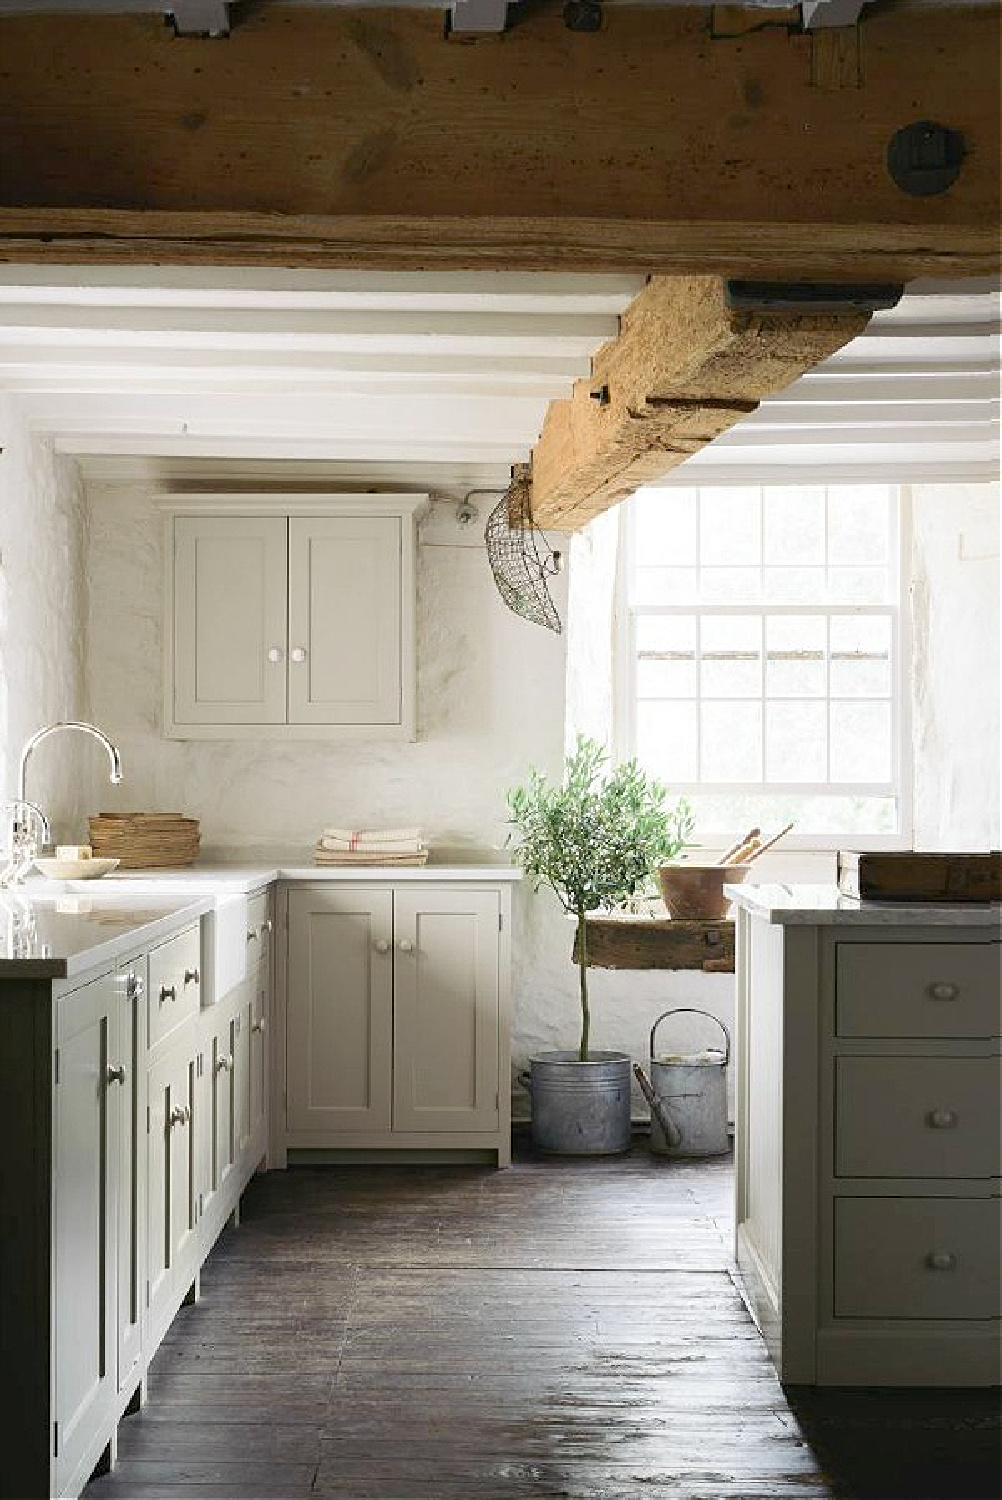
917,1116
917,1257
918,989
175,983
259,927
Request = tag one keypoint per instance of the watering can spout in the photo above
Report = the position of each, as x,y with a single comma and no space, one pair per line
671,1131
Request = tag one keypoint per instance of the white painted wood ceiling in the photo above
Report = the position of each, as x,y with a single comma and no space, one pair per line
386,376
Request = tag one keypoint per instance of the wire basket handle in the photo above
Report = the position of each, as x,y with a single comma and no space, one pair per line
689,1010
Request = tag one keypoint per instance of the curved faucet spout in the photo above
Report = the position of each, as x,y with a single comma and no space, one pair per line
42,734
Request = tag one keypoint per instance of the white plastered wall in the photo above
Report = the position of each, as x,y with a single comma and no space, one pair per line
42,648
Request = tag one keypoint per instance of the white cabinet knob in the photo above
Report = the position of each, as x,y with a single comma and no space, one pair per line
941,1119
275,654
941,1260
943,991
406,946
299,654
381,945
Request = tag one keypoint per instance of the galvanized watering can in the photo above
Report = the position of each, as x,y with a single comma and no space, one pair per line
688,1095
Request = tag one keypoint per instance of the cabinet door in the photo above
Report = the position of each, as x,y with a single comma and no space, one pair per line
171,1198
86,1127
445,1010
220,1123
259,1056
340,1010
230,622
131,988
345,616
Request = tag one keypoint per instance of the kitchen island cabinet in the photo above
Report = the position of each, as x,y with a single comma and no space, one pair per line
103,1185
867,1136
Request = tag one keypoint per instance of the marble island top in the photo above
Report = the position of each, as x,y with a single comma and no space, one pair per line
58,936
825,906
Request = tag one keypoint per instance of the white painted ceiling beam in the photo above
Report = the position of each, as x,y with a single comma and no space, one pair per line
248,287
186,445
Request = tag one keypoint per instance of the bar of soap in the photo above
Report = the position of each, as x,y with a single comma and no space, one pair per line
73,851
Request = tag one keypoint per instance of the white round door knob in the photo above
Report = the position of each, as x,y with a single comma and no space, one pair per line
943,991
406,946
381,945
299,654
275,654
941,1260
942,1119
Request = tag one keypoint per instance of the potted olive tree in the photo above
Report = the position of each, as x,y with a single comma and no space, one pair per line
595,840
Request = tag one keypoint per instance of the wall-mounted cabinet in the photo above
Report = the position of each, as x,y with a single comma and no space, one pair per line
290,617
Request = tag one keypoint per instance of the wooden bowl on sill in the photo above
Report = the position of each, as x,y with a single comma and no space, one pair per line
696,892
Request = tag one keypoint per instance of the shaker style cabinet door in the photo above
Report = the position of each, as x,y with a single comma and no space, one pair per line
340,1010
230,619
87,1119
130,983
345,647
445,1013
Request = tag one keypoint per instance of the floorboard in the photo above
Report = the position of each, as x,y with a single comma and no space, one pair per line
564,1329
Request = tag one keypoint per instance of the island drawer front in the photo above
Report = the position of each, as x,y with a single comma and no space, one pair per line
918,989
258,930
917,1117
175,983
917,1257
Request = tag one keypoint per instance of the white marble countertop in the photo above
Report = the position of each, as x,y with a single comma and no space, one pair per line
825,906
60,928
62,935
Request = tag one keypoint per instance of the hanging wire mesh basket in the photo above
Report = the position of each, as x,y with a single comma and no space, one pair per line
521,559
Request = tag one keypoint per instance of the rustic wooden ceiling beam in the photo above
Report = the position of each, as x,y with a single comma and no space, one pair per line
670,140
686,366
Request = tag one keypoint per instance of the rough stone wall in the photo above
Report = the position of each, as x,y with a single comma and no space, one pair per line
42,612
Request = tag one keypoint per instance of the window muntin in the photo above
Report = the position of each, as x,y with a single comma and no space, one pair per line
762,654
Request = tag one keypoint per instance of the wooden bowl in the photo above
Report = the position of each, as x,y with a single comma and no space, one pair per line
696,892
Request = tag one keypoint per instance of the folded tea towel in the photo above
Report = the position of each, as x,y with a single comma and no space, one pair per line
355,836
345,857
373,846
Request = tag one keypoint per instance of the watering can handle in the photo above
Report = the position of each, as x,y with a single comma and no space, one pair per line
688,1010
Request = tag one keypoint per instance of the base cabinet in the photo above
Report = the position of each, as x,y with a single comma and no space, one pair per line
867,1151
397,1018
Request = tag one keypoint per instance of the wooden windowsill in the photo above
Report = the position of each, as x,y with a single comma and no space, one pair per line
627,942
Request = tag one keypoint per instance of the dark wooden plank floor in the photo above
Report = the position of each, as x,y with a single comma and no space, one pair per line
566,1329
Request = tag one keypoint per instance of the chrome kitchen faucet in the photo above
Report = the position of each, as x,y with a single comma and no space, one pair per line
27,824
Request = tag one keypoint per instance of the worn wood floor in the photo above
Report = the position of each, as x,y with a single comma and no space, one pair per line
566,1329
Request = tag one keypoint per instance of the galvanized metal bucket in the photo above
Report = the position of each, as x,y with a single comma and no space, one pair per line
691,1093
580,1108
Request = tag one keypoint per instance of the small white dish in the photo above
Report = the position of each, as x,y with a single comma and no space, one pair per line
76,869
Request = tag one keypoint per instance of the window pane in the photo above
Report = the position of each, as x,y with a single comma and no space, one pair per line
666,656
858,524
859,586
861,656
793,523
730,585
664,586
794,585
731,748
722,816
729,529
666,527
666,740
860,741
795,656
796,742
731,656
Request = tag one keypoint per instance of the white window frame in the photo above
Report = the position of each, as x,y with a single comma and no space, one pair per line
901,781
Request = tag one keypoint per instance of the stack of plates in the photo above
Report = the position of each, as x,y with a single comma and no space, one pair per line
145,841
